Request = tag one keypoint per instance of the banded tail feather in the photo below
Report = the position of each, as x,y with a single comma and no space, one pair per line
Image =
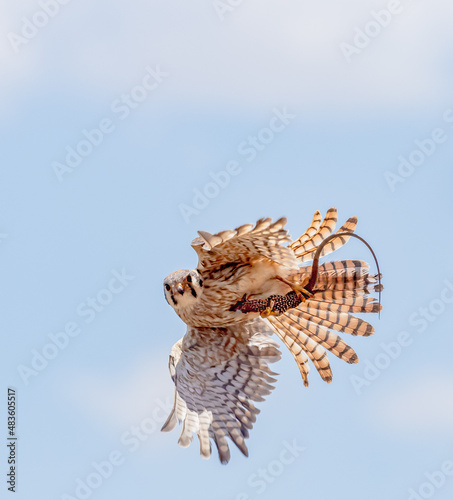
315,266
310,329
308,242
306,342
348,300
334,320
325,337
338,289
309,233
311,341
305,246
342,275
336,243
295,347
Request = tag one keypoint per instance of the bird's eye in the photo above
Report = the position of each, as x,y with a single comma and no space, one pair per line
167,286
189,279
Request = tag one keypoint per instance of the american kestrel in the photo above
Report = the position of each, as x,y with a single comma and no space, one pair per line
247,286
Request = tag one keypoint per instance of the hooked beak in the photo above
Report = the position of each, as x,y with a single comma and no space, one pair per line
180,289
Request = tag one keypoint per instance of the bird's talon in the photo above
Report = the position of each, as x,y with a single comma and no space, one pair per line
270,309
267,312
303,294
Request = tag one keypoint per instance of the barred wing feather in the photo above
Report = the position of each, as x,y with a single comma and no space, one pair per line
219,373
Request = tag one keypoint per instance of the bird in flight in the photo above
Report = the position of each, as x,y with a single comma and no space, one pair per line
249,285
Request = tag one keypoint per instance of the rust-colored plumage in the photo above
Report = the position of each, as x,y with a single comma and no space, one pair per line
247,286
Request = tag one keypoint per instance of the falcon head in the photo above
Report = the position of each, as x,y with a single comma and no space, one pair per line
183,288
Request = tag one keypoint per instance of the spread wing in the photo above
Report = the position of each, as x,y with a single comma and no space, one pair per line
218,374
245,244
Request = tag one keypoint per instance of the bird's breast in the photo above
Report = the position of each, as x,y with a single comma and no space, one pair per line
221,291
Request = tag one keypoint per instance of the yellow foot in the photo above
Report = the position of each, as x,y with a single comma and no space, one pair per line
269,311
302,293
299,288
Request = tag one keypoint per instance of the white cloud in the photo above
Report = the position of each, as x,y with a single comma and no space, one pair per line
17,67
262,53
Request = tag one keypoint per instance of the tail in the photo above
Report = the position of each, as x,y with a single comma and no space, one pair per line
339,288
331,239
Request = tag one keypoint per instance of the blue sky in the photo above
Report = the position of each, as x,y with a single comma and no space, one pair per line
218,75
